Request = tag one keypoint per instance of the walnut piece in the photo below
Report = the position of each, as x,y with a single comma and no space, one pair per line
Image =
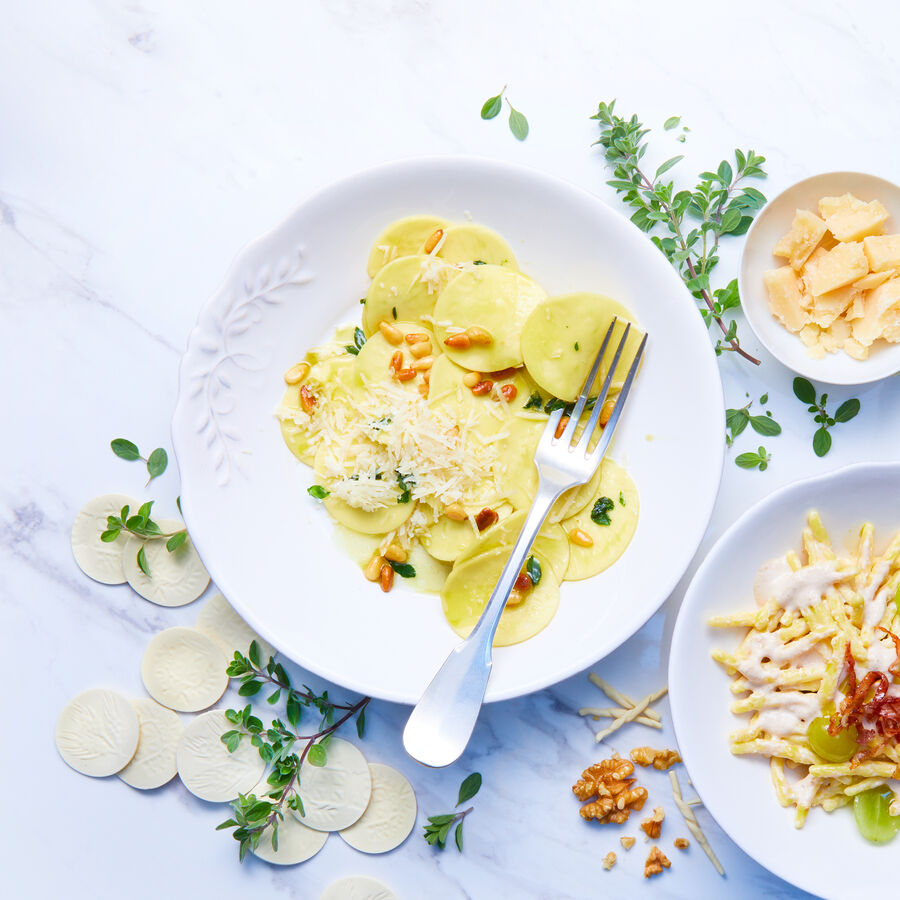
656,862
601,779
652,826
627,842
682,843
659,759
618,808
609,860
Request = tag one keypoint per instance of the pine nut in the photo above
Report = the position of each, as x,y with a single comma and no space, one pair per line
423,364
307,399
486,518
582,538
423,389
419,350
296,374
373,570
561,427
386,577
515,597
606,411
483,387
405,374
459,341
392,334
455,512
509,392
479,336
470,379
395,553
416,337
433,240
396,363
523,582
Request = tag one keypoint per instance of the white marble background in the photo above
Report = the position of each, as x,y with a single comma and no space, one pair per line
142,143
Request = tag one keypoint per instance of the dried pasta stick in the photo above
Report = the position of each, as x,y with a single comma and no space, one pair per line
614,712
691,821
866,770
864,785
631,714
618,697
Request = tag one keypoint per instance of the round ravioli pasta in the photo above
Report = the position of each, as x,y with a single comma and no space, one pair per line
402,238
378,521
559,324
519,479
469,586
405,289
574,500
373,362
471,243
495,299
447,539
610,541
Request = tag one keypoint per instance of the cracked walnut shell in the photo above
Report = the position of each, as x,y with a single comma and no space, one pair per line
653,826
659,759
656,862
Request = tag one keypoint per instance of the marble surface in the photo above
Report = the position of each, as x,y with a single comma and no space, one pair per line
143,144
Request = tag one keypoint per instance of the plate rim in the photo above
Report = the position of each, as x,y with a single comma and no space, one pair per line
247,253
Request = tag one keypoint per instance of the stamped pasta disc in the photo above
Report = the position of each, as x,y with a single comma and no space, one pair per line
390,815
219,620
205,765
335,795
184,669
296,842
175,579
97,732
153,764
357,887
97,559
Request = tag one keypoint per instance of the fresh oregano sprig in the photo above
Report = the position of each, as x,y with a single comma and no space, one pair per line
736,420
156,462
719,204
280,745
805,392
518,124
754,460
141,525
438,827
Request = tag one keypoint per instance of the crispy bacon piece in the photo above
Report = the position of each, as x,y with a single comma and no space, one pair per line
894,667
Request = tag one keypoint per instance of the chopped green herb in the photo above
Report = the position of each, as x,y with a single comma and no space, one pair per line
554,403
621,498
479,262
363,301
601,510
404,570
394,312
359,337
317,491
576,345
534,401
407,483
533,569
351,349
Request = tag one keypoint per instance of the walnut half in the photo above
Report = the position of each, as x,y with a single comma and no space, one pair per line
656,862
653,826
659,759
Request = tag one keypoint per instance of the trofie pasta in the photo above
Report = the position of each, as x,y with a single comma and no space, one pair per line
421,423
817,672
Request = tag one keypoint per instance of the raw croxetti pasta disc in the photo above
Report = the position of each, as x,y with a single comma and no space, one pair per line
184,669
335,795
357,887
98,560
97,732
175,579
296,842
206,767
153,765
390,815
221,622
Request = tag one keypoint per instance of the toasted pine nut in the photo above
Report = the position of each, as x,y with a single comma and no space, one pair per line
433,240
395,553
470,379
296,374
392,334
486,518
373,570
561,427
459,341
523,582
416,337
479,335
386,577
405,374
455,512
509,392
396,363
307,399
515,597
418,350
423,388
606,411
483,387
423,364
582,538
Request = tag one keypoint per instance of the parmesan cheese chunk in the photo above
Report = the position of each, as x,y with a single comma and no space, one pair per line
834,268
786,298
881,315
807,230
827,307
883,252
848,218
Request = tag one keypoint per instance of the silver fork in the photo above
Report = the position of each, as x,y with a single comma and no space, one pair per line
441,724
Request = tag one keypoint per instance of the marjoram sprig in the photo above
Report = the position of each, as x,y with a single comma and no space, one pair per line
438,828
719,205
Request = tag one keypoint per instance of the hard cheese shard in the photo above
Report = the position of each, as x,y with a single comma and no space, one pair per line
807,230
850,219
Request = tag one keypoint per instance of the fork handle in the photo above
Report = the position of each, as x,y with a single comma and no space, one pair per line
442,722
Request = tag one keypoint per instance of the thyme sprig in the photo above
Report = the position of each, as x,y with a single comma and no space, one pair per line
438,828
719,203
281,745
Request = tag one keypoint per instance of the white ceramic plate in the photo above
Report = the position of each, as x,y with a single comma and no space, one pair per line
773,222
271,549
828,856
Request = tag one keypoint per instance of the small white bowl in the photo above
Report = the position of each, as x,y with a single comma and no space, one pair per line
773,222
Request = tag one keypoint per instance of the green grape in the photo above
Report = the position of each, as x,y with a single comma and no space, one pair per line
873,817
835,748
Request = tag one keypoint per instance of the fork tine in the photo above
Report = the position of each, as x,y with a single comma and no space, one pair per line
585,438
606,437
575,415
